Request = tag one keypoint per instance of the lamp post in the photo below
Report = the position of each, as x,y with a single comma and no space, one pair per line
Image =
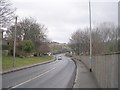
1,31
14,48
90,37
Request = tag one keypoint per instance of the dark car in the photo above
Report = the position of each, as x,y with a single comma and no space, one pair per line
59,57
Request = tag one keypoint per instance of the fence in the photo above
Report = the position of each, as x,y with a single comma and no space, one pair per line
105,69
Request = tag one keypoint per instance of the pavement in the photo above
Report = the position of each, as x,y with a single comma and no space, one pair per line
84,78
57,74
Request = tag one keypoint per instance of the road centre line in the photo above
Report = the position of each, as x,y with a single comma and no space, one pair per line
33,78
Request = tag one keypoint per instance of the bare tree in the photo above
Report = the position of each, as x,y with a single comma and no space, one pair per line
75,42
6,12
107,33
86,42
104,40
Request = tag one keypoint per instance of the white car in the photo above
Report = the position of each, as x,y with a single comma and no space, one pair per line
59,57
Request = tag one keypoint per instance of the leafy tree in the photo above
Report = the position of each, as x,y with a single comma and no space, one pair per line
29,29
25,48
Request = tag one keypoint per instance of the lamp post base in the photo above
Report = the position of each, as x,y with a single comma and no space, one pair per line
90,70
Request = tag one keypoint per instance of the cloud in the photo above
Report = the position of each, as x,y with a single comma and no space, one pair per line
62,17
102,12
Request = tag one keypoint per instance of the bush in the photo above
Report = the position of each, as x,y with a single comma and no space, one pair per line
25,48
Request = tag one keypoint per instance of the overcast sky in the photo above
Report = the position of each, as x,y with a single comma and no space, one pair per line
63,17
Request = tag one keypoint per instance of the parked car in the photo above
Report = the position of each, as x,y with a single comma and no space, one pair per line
59,57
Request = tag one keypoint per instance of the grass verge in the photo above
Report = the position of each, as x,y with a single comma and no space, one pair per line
7,61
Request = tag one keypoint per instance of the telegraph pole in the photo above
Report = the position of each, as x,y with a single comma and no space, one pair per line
90,37
14,48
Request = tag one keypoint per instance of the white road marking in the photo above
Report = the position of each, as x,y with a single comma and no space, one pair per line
33,78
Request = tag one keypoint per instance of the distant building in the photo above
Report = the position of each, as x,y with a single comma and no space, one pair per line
57,47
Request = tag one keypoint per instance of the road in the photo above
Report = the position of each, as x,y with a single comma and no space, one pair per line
57,74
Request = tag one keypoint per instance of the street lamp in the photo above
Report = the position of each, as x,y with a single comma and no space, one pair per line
14,48
90,37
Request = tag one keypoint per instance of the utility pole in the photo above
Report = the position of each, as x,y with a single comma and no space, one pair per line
90,37
14,49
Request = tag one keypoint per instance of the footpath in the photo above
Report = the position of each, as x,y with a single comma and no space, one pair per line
84,78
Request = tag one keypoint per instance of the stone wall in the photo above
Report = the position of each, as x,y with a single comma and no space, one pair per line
105,69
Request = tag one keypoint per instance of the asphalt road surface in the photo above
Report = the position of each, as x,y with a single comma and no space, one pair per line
57,74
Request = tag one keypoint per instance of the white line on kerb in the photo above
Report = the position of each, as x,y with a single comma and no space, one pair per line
33,78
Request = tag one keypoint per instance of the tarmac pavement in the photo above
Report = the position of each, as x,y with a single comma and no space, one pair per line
84,78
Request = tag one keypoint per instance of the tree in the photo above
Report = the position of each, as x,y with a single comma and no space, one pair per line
75,42
104,40
25,48
29,29
6,12
44,48
107,34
